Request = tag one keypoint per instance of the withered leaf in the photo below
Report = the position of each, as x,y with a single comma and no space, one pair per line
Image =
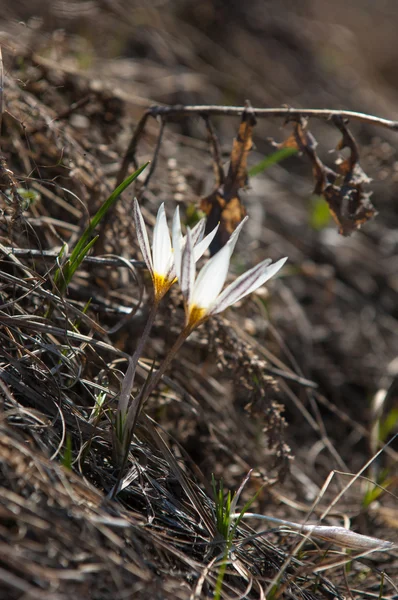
223,205
351,206
348,203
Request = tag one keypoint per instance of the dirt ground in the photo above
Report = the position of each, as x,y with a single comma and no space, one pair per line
296,384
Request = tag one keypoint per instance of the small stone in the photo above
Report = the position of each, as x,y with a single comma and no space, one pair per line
79,121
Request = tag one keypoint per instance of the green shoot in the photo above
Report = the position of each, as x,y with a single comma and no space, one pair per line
64,274
227,522
223,509
99,402
374,491
387,425
382,576
223,524
120,428
383,428
76,324
272,159
67,458
95,415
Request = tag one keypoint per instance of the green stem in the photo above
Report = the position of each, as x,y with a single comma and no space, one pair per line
221,573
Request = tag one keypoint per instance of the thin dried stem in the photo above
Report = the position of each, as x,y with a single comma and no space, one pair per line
95,260
205,111
335,535
284,112
155,156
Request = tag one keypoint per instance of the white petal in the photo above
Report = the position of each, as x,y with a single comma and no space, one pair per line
198,231
211,279
234,236
202,246
177,241
246,284
268,273
161,246
142,236
187,278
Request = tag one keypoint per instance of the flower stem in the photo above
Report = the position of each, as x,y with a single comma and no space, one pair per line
147,390
130,417
128,380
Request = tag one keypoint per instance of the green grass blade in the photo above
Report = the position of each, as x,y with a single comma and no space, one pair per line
72,266
69,269
102,212
76,323
271,159
63,275
243,511
67,458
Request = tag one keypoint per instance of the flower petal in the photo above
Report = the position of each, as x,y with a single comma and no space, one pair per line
187,278
246,283
198,231
211,279
202,246
142,236
177,241
268,273
199,245
161,246
234,236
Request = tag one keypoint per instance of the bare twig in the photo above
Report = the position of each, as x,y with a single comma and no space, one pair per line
216,149
155,155
284,112
96,260
129,157
205,111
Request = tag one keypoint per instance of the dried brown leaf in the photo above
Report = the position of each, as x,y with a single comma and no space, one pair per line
223,205
348,203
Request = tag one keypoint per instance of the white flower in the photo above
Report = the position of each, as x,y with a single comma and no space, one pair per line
203,296
199,243
160,261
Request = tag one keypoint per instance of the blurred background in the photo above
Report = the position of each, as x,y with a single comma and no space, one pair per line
302,52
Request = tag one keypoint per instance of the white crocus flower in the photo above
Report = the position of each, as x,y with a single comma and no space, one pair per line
160,260
203,296
199,243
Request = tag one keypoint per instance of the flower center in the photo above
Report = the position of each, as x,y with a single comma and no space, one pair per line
161,285
196,315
